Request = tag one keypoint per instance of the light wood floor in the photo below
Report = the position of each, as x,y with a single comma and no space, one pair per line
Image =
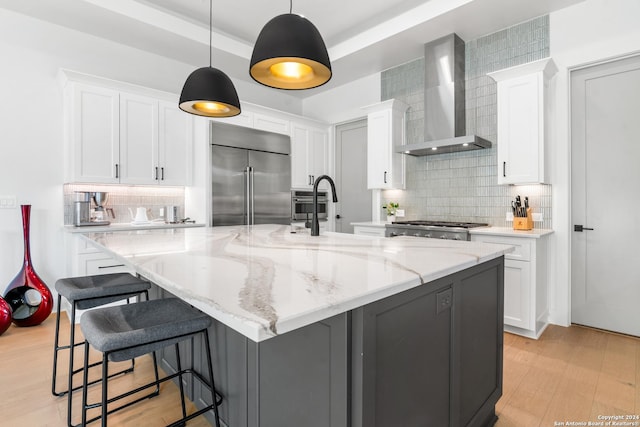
569,374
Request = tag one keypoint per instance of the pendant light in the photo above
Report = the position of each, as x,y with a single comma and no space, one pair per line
290,54
208,91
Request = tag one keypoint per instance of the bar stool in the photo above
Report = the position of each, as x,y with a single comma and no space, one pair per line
88,292
128,331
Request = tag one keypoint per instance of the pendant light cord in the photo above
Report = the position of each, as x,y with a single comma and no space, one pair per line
210,30
290,7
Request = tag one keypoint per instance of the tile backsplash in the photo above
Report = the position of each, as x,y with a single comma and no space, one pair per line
121,198
463,186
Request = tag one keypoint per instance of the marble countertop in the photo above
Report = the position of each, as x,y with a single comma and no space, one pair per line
126,226
536,233
266,280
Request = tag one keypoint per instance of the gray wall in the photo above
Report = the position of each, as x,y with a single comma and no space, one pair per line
463,186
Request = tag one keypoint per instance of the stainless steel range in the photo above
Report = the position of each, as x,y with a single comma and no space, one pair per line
432,229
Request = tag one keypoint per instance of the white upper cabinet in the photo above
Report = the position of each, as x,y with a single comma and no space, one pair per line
309,154
138,139
385,133
120,137
522,111
175,145
270,123
93,134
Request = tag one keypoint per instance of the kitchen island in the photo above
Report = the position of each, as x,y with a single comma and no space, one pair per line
338,329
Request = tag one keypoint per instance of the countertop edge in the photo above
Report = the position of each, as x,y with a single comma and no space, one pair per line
536,233
126,227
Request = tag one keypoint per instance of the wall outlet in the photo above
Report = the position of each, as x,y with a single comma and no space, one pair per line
538,217
400,213
509,217
8,202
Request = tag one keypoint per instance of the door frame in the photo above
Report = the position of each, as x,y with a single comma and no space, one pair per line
569,219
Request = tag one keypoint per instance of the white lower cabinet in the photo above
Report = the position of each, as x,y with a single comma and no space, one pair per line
526,306
369,230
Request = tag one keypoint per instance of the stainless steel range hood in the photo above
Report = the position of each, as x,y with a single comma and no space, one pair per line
444,105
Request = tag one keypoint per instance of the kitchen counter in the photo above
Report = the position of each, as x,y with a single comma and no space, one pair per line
266,280
317,331
126,226
536,233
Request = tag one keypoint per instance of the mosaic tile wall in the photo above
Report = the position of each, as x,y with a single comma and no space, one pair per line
463,186
121,198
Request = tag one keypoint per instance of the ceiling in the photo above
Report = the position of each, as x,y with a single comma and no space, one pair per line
363,36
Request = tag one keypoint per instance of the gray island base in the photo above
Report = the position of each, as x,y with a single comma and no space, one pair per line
429,356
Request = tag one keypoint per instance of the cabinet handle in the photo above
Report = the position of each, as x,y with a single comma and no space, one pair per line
117,171
156,178
504,169
385,177
162,174
111,266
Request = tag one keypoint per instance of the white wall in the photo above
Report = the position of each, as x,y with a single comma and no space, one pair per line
31,124
344,103
591,31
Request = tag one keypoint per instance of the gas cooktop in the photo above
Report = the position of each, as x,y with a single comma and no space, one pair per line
433,229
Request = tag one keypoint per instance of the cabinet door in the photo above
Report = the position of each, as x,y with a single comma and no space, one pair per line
520,132
300,153
401,358
270,124
379,174
94,134
319,152
517,294
175,145
138,139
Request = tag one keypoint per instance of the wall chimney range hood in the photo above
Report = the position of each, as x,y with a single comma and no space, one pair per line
444,104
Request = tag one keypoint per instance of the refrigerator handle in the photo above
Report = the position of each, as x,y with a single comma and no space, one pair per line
247,195
251,196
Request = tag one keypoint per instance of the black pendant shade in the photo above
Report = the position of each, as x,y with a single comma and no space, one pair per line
209,92
290,54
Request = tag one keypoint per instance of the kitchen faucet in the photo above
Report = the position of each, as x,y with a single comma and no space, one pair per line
315,225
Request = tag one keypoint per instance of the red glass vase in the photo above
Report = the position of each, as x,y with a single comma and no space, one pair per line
5,316
29,297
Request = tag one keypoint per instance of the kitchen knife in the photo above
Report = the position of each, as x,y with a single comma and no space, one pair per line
518,203
526,202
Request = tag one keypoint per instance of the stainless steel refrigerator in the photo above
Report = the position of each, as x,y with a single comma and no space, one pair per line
251,173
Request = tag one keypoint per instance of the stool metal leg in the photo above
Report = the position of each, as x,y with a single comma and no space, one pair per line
85,385
72,336
105,374
184,408
56,348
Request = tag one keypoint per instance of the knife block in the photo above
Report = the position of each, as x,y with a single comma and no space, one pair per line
523,223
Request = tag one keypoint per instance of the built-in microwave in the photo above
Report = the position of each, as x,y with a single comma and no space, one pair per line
302,205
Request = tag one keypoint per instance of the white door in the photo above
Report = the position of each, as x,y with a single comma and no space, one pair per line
354,199
605,125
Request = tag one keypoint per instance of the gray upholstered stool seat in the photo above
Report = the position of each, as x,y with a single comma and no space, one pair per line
94,291
128,331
